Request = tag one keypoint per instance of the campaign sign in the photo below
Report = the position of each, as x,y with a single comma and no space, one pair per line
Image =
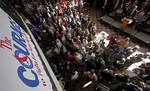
20,66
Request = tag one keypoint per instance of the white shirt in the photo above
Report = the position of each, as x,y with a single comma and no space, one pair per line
75,76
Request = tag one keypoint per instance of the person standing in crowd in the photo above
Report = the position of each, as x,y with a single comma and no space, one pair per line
112,40
94,28
91,75
123,43
139,18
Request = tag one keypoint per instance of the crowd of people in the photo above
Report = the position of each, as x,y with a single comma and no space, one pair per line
68,38
136,10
